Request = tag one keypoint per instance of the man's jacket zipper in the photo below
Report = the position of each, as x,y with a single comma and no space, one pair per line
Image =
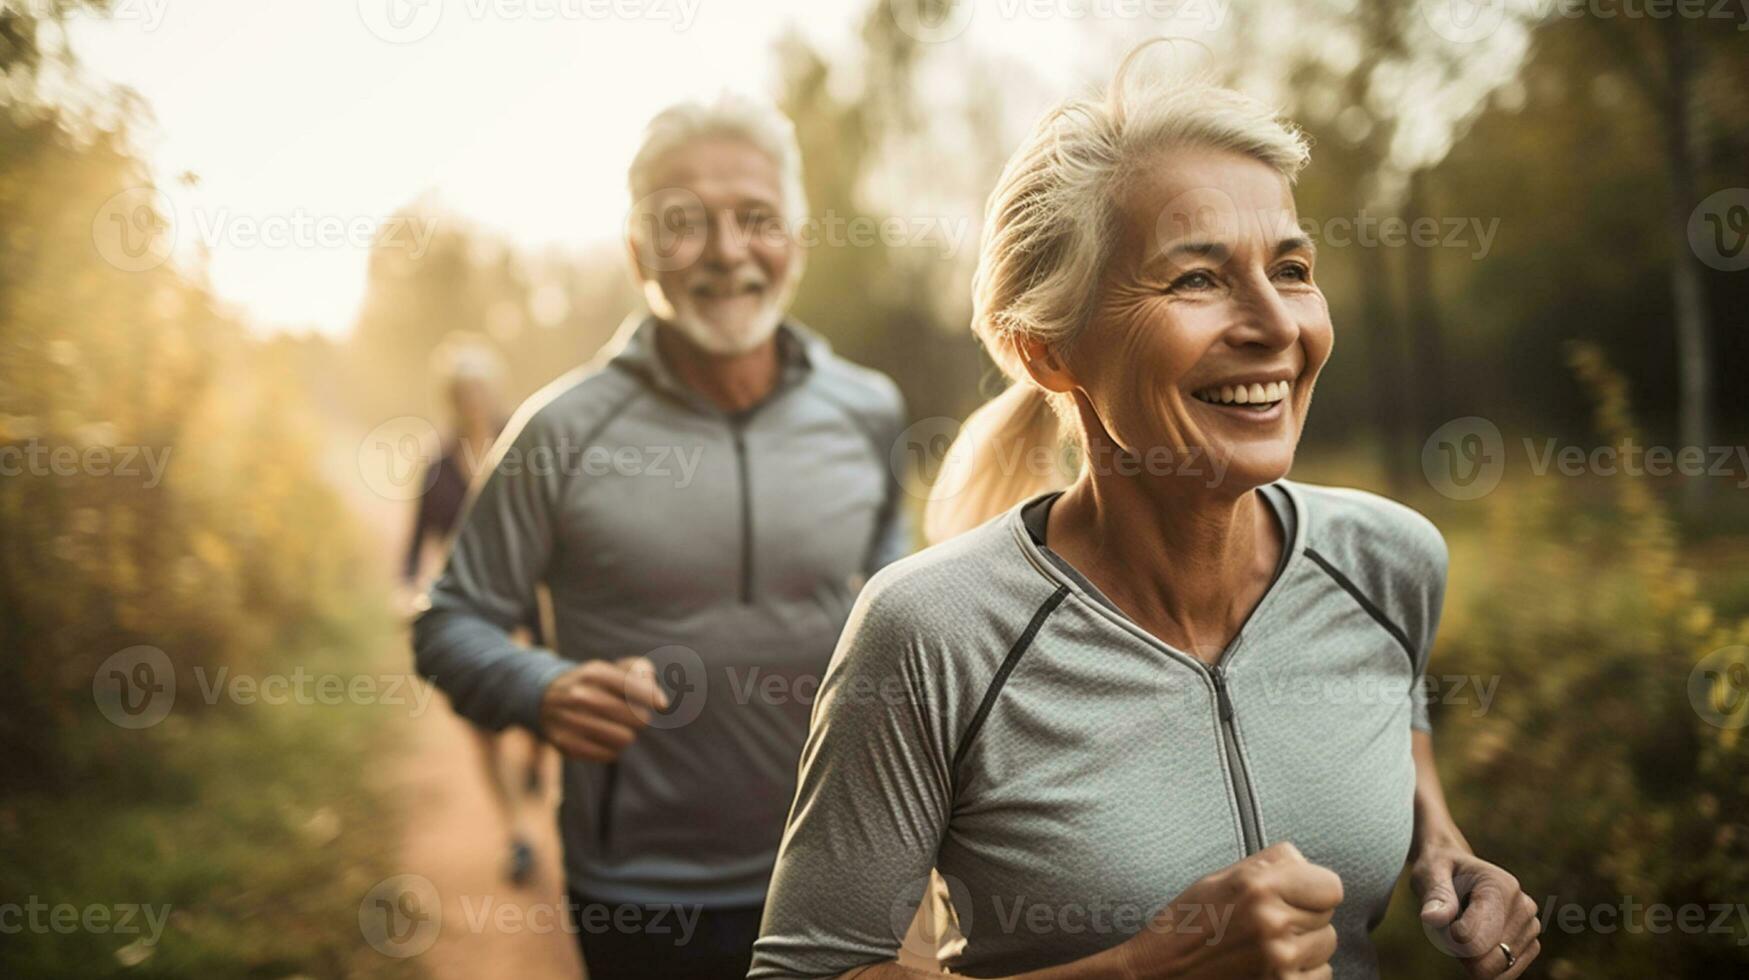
603,823
737,429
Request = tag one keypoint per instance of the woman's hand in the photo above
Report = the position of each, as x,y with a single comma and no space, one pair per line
1266,916
1470,907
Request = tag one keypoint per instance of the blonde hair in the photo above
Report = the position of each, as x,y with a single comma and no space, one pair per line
1046,242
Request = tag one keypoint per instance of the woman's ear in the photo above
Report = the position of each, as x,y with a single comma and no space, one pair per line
1042,363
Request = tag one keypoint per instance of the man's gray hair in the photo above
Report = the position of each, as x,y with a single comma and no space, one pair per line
757,122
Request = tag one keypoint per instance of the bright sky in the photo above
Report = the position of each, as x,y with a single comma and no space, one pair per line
309,122
518,114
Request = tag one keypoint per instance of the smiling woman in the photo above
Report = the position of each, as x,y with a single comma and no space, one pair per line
1138,692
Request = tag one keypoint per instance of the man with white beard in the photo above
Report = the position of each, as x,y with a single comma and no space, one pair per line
703,502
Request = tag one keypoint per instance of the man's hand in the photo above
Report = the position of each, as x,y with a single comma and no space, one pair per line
596,709
1469,907
1275,909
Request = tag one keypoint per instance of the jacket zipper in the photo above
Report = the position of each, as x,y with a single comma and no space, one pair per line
737,429
1249,821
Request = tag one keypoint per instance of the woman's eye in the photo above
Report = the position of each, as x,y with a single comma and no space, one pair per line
1296,273
1192,281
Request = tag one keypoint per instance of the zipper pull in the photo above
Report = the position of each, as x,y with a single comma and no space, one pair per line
1225,702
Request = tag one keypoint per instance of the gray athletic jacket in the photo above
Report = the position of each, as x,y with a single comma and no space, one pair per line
727,549
987,713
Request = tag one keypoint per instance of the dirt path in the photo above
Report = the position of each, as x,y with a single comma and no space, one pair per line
454,837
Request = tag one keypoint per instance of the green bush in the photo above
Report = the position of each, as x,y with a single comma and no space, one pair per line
214,558
258,828
1593,776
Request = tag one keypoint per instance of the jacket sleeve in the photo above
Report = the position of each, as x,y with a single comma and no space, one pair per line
1410,560
1436,561
870,810
505,538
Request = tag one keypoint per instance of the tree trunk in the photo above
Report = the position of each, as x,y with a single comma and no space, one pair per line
1426,346
1693,342
1399,454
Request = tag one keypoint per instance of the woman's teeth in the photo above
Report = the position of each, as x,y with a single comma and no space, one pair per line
1261,395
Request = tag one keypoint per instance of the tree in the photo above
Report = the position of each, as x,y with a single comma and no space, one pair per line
1665,58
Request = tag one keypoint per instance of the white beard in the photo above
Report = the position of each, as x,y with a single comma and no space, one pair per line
719,340
710,337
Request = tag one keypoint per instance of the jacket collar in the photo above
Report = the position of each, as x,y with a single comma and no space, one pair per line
799,350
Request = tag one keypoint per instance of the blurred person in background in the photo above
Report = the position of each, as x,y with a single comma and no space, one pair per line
472,378
1121,704
704,502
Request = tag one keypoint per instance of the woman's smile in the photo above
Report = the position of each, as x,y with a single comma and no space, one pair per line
1251,399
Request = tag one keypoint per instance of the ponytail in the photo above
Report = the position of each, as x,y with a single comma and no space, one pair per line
1006,452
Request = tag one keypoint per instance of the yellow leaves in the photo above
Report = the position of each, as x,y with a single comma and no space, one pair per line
18,428
1698,619
1485,746
213,552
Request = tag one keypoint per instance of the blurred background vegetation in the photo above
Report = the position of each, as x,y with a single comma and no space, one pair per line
1587,319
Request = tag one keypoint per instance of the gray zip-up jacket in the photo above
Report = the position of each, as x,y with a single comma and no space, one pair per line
989,714
726,548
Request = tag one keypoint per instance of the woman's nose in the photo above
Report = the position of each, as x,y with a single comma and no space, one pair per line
1267,318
